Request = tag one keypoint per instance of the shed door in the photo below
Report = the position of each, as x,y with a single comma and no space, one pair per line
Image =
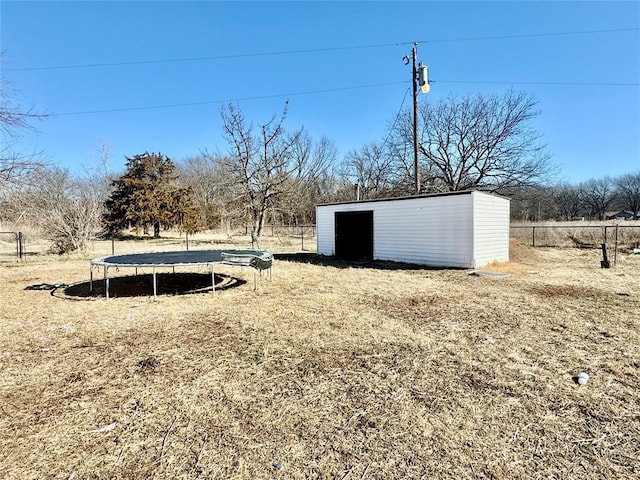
354,235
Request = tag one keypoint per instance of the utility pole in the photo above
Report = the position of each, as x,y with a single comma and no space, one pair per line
419,76
414,86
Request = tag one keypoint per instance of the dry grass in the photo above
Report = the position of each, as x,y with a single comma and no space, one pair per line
589,234
329,371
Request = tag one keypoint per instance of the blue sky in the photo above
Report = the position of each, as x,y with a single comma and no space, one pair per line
160,71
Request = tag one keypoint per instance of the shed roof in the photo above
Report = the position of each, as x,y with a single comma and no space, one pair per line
411,197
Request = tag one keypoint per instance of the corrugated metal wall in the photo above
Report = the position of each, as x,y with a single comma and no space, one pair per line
491,228
427,231
437,230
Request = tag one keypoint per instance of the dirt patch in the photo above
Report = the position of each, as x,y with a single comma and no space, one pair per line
570,291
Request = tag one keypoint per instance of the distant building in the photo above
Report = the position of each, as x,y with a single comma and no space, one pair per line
621,215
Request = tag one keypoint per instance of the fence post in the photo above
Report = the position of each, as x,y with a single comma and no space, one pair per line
615,249
534,237
302,237
187,238
113,246
604,263
20,246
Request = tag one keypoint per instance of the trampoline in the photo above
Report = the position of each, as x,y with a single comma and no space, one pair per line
258,260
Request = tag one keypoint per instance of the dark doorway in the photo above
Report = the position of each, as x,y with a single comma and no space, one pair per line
354,235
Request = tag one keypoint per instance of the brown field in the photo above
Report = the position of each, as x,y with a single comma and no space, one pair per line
328,371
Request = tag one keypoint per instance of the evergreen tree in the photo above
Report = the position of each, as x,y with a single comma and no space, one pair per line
145,196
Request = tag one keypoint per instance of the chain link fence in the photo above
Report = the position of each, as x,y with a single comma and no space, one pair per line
12,246
17,246
617,239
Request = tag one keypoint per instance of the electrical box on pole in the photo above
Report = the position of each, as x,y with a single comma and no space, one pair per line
423,78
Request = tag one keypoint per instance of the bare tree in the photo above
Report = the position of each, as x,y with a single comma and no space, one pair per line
259,164
628,191
568,200
372,170
99,171
484,142
16,165
398,145
309,181
532,203
598,195
68,210
214,191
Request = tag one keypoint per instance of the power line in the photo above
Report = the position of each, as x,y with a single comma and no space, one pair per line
318,50
198,59
534,35
339,89
555,84
406,92
211,102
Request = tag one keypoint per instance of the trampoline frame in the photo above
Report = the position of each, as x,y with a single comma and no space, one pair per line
258,260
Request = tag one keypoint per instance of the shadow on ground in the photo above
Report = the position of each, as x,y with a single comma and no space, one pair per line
142,285
326,261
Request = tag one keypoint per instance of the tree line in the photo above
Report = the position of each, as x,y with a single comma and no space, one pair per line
268,174
593,199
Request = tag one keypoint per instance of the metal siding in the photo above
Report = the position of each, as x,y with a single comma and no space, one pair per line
491,229
435,231
325,231
432,231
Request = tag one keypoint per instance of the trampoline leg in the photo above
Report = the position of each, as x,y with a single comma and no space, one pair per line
91,278
106,282
213,280
154,285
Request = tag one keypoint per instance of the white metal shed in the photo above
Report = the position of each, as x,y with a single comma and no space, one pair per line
465,229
